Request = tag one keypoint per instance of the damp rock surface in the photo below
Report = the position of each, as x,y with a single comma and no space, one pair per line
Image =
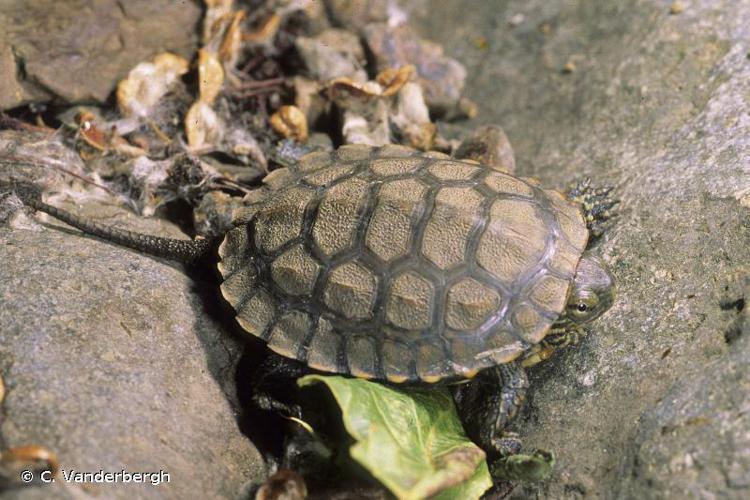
654,402
76,51
110,360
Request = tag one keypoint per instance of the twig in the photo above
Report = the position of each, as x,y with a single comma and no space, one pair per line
259,84
8,122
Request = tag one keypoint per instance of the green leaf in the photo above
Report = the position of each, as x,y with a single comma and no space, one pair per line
410,439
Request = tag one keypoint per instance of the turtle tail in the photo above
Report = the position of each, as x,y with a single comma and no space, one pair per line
185,251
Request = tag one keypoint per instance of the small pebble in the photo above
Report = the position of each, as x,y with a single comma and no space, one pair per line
481,43
588,379
516,19
677,7
569,67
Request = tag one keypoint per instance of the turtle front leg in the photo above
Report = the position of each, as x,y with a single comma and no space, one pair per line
561,335
486,405
597,205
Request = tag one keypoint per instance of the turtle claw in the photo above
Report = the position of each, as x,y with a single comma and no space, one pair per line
508,444
597,205
519,467
267,402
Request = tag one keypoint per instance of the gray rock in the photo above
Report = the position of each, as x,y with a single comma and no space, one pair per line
656,104
354,15
332,54
77,50
489,146
695,442
111,361
441,77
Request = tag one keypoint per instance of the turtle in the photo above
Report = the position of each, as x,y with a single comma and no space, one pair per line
403,266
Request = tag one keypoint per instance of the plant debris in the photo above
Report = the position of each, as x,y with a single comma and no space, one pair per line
147,83
23,464
290,122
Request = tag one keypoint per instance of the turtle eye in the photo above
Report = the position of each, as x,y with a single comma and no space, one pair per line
583,307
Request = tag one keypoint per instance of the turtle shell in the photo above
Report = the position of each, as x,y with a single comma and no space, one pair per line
392,264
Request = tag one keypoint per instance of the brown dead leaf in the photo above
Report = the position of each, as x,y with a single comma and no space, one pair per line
266,32
202,126
290,122
90,132
345,87
230,47
96,137
213,21
210,76
36,459
392,79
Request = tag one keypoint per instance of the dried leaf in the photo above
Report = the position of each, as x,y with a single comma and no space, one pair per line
147,83
266,32
214,19
392,79
240,143
102,140
203,127
230,47
344,88
210,76
290,122
27,459
90,132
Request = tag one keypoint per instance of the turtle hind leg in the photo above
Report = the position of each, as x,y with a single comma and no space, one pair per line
274,386
597,204
488,403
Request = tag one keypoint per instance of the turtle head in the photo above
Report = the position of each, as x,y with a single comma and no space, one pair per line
592,294
593,290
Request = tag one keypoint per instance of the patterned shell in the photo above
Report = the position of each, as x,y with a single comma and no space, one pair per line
393,264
